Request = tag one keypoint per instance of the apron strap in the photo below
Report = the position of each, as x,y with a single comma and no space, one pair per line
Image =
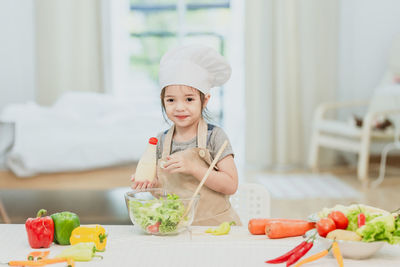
202,134
168,142
201,138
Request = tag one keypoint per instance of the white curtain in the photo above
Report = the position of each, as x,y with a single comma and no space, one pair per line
291,66
68,48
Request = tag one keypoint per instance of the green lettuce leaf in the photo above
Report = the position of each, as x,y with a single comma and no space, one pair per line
396,232
379,229
352,216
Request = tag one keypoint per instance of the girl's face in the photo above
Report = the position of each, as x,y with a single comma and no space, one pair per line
183,105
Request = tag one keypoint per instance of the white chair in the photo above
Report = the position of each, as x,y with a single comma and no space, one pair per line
340,135
251,201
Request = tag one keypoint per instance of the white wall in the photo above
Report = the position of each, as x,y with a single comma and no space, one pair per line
17,76
366,31
68,48
234,94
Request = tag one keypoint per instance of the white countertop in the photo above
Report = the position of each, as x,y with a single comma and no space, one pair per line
128,247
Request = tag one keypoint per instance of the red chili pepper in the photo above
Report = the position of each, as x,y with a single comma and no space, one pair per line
300,253
286,256
40,230
360,219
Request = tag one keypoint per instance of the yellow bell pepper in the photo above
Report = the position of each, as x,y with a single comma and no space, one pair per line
90,233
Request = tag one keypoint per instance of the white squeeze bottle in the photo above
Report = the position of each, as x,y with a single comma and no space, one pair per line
146,168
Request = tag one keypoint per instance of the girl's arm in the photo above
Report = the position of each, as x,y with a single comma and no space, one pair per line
225,180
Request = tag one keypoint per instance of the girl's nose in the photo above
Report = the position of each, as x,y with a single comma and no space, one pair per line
180,105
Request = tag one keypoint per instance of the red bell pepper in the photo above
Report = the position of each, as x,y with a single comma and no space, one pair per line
40,230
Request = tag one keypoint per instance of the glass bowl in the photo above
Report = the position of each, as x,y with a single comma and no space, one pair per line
159,212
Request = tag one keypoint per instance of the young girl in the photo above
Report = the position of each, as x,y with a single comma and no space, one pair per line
186,150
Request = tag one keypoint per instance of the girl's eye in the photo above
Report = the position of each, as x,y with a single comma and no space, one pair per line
190,99
169,100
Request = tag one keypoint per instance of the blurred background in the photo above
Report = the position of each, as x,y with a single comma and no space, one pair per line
79,98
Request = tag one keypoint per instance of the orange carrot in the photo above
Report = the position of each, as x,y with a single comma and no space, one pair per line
41,262
337,254
70,262
313,258
257,226
287,229
54,260
26,263
38,255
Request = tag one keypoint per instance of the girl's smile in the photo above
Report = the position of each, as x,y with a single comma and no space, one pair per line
181,117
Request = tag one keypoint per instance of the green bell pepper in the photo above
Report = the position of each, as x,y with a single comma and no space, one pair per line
64,223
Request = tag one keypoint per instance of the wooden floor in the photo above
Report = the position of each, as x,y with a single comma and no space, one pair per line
385,196
100,179
97,196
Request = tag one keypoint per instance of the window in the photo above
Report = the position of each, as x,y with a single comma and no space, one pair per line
136,33
155,26
159,25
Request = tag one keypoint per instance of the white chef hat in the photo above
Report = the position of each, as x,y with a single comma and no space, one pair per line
198,66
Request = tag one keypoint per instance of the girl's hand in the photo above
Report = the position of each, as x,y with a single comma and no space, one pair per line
142,184
178,164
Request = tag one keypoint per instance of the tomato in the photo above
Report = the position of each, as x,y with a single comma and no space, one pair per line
324,226
153,228
339,218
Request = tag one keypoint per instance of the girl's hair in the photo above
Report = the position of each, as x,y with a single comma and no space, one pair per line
204,111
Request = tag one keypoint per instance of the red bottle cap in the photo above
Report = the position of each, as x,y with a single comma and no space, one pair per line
153,141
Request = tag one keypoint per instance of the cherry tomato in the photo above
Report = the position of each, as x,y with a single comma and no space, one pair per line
324,226
339,218
153,228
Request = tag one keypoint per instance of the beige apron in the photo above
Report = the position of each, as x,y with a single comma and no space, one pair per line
213,207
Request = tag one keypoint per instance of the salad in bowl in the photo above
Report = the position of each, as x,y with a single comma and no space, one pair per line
360,230
158,212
